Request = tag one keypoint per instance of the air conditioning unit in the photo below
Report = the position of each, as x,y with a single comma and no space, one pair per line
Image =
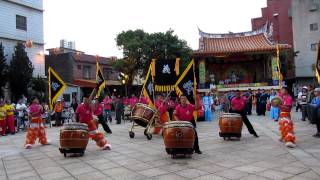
313,7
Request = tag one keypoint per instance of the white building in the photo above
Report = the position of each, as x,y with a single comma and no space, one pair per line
22,21
306,35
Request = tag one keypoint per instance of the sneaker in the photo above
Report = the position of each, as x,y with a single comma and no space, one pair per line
256,135
28,146
290,145
198,151
107,147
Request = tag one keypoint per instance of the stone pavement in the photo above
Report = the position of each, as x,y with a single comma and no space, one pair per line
139,158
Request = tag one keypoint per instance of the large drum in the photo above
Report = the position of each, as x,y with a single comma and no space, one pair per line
178,137
230,125
142,114
276,101
74,138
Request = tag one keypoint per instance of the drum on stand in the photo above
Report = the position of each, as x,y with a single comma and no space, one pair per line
143,115
230,125
178,137
74,138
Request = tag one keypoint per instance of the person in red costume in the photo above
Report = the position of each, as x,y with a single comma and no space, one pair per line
144,100
133,100
36,129
84,114
286,125
98,111
161,105
184,112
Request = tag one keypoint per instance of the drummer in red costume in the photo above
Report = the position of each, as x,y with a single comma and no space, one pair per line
184,112
161,106
36,129
84,114
286,126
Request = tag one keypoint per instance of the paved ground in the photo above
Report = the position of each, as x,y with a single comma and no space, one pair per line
138,158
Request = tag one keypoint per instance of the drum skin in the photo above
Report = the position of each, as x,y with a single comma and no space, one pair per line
178,134
276,101
230,123
74,135
142,114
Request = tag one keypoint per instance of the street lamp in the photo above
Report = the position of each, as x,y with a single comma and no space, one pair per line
124,78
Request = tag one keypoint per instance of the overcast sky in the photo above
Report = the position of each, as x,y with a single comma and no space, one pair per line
94,24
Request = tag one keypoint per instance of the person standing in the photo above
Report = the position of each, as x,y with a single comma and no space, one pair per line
36,129
119,109
133,100
316,102
162,107
58,108
207,103
74,104
171,106
298,105
258,104
10,117
98,111
286,125
107,102
3,115
248,107
21,108
184,112
263,102
302,101
274,111
84,114
237,106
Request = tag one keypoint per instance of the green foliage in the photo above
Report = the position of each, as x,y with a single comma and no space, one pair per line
39,84
3,69
140,47
20,72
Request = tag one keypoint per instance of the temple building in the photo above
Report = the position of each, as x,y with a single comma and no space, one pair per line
241,60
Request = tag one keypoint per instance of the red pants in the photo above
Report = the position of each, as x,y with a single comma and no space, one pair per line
36,130
286,128
95,135
10,123
3,126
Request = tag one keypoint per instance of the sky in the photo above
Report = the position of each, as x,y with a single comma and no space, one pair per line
94,24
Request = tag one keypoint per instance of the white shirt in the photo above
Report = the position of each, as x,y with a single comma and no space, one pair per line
20,108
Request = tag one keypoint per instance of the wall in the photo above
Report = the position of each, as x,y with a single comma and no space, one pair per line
303,37
34,55
9,35
282,24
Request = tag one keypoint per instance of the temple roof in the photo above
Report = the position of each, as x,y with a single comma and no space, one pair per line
253,41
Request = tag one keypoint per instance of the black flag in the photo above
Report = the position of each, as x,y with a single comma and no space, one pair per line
101,83
165,73
56,86
186,84
148,88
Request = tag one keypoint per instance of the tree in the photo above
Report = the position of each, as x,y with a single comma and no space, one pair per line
20,72
3,69
140,47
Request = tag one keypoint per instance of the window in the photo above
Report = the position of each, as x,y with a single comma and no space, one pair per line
21,22
107,72
79,66
314,27
314,47
66,97
86,72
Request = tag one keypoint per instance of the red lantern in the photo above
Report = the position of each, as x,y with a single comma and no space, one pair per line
29,44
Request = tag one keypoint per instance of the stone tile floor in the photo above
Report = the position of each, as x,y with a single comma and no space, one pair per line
139,158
